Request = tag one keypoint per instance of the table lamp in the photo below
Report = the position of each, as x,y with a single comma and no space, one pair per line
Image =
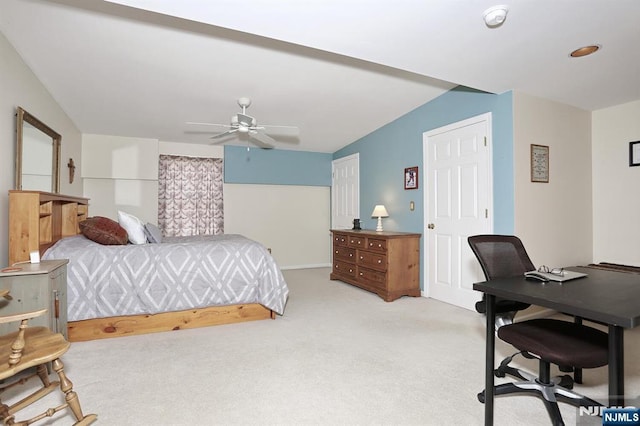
379,211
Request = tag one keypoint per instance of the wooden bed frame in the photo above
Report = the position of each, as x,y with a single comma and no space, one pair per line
131,325
37,220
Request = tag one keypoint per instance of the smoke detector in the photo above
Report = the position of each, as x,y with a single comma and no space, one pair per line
495,16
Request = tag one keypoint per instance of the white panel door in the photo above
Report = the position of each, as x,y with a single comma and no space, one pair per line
345,191
458,200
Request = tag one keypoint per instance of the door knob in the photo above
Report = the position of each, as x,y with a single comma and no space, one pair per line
431,226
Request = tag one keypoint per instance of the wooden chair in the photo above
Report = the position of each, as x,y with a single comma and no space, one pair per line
27,353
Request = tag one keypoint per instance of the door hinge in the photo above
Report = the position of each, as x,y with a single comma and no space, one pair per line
485,141
486,213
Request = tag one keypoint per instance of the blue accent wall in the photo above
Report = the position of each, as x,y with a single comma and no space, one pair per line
385,153
276,166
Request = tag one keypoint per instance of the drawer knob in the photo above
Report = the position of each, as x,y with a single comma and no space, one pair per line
336,251
379,260
350,270
361,273
379,245
361,257
350,254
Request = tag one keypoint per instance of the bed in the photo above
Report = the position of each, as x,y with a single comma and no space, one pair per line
183,282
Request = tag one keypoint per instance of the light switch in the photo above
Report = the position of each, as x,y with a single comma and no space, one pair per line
412,206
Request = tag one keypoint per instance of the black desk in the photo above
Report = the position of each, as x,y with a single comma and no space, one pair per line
609,297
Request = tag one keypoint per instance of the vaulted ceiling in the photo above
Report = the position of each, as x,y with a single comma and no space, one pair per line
337,69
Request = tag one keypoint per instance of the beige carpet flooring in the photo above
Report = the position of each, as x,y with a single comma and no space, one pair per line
338,356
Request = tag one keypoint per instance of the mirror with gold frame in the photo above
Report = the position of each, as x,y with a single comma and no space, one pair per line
37,154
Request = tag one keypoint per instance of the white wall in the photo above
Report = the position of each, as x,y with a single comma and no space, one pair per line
122,174
553,219
20,87
616,201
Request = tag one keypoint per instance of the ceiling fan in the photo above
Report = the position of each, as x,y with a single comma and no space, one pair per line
243,124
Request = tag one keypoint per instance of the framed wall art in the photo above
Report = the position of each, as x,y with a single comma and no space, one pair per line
411,178
634,153
539,163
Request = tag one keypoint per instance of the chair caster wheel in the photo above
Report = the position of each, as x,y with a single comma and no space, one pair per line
498,373
481,397
566,382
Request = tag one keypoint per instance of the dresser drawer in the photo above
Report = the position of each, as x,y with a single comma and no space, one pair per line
372,260
373,278
340,239
377,244
357,242
344,253
345,269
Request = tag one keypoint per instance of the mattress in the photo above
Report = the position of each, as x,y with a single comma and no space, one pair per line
179,273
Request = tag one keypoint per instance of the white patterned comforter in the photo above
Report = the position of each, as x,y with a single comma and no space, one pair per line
180,273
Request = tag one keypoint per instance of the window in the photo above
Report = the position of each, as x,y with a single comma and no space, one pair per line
190,198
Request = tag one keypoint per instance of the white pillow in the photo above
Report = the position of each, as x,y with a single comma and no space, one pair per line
133,226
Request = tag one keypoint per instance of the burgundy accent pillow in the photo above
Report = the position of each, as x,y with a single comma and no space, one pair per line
104,231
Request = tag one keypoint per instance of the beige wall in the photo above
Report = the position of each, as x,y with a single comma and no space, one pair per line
616,186
553,219
292,220
20,87
120,173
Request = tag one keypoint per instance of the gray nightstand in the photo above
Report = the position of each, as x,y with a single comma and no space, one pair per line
36,286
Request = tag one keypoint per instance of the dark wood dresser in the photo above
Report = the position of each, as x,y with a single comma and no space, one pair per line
385,263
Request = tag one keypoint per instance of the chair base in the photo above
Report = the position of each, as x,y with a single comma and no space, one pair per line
549,393
8,413
566,381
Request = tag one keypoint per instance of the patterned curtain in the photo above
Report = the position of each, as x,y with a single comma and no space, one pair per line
190,196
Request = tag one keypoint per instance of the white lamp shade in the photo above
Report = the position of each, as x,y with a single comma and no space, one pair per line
379,211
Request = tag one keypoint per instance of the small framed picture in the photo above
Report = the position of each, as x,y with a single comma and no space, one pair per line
539,163
634,153
411,178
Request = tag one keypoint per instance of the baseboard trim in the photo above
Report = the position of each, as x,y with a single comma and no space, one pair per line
319,265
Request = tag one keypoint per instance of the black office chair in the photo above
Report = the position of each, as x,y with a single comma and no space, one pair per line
503,256
550,341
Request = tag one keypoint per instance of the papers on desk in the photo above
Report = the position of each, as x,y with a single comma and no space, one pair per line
559,277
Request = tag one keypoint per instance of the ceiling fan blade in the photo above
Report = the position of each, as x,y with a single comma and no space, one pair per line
222,135
262,140
207,124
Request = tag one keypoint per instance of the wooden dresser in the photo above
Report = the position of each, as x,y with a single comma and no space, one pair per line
385,263
37,220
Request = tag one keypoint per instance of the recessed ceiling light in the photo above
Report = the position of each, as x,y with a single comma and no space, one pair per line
584,51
